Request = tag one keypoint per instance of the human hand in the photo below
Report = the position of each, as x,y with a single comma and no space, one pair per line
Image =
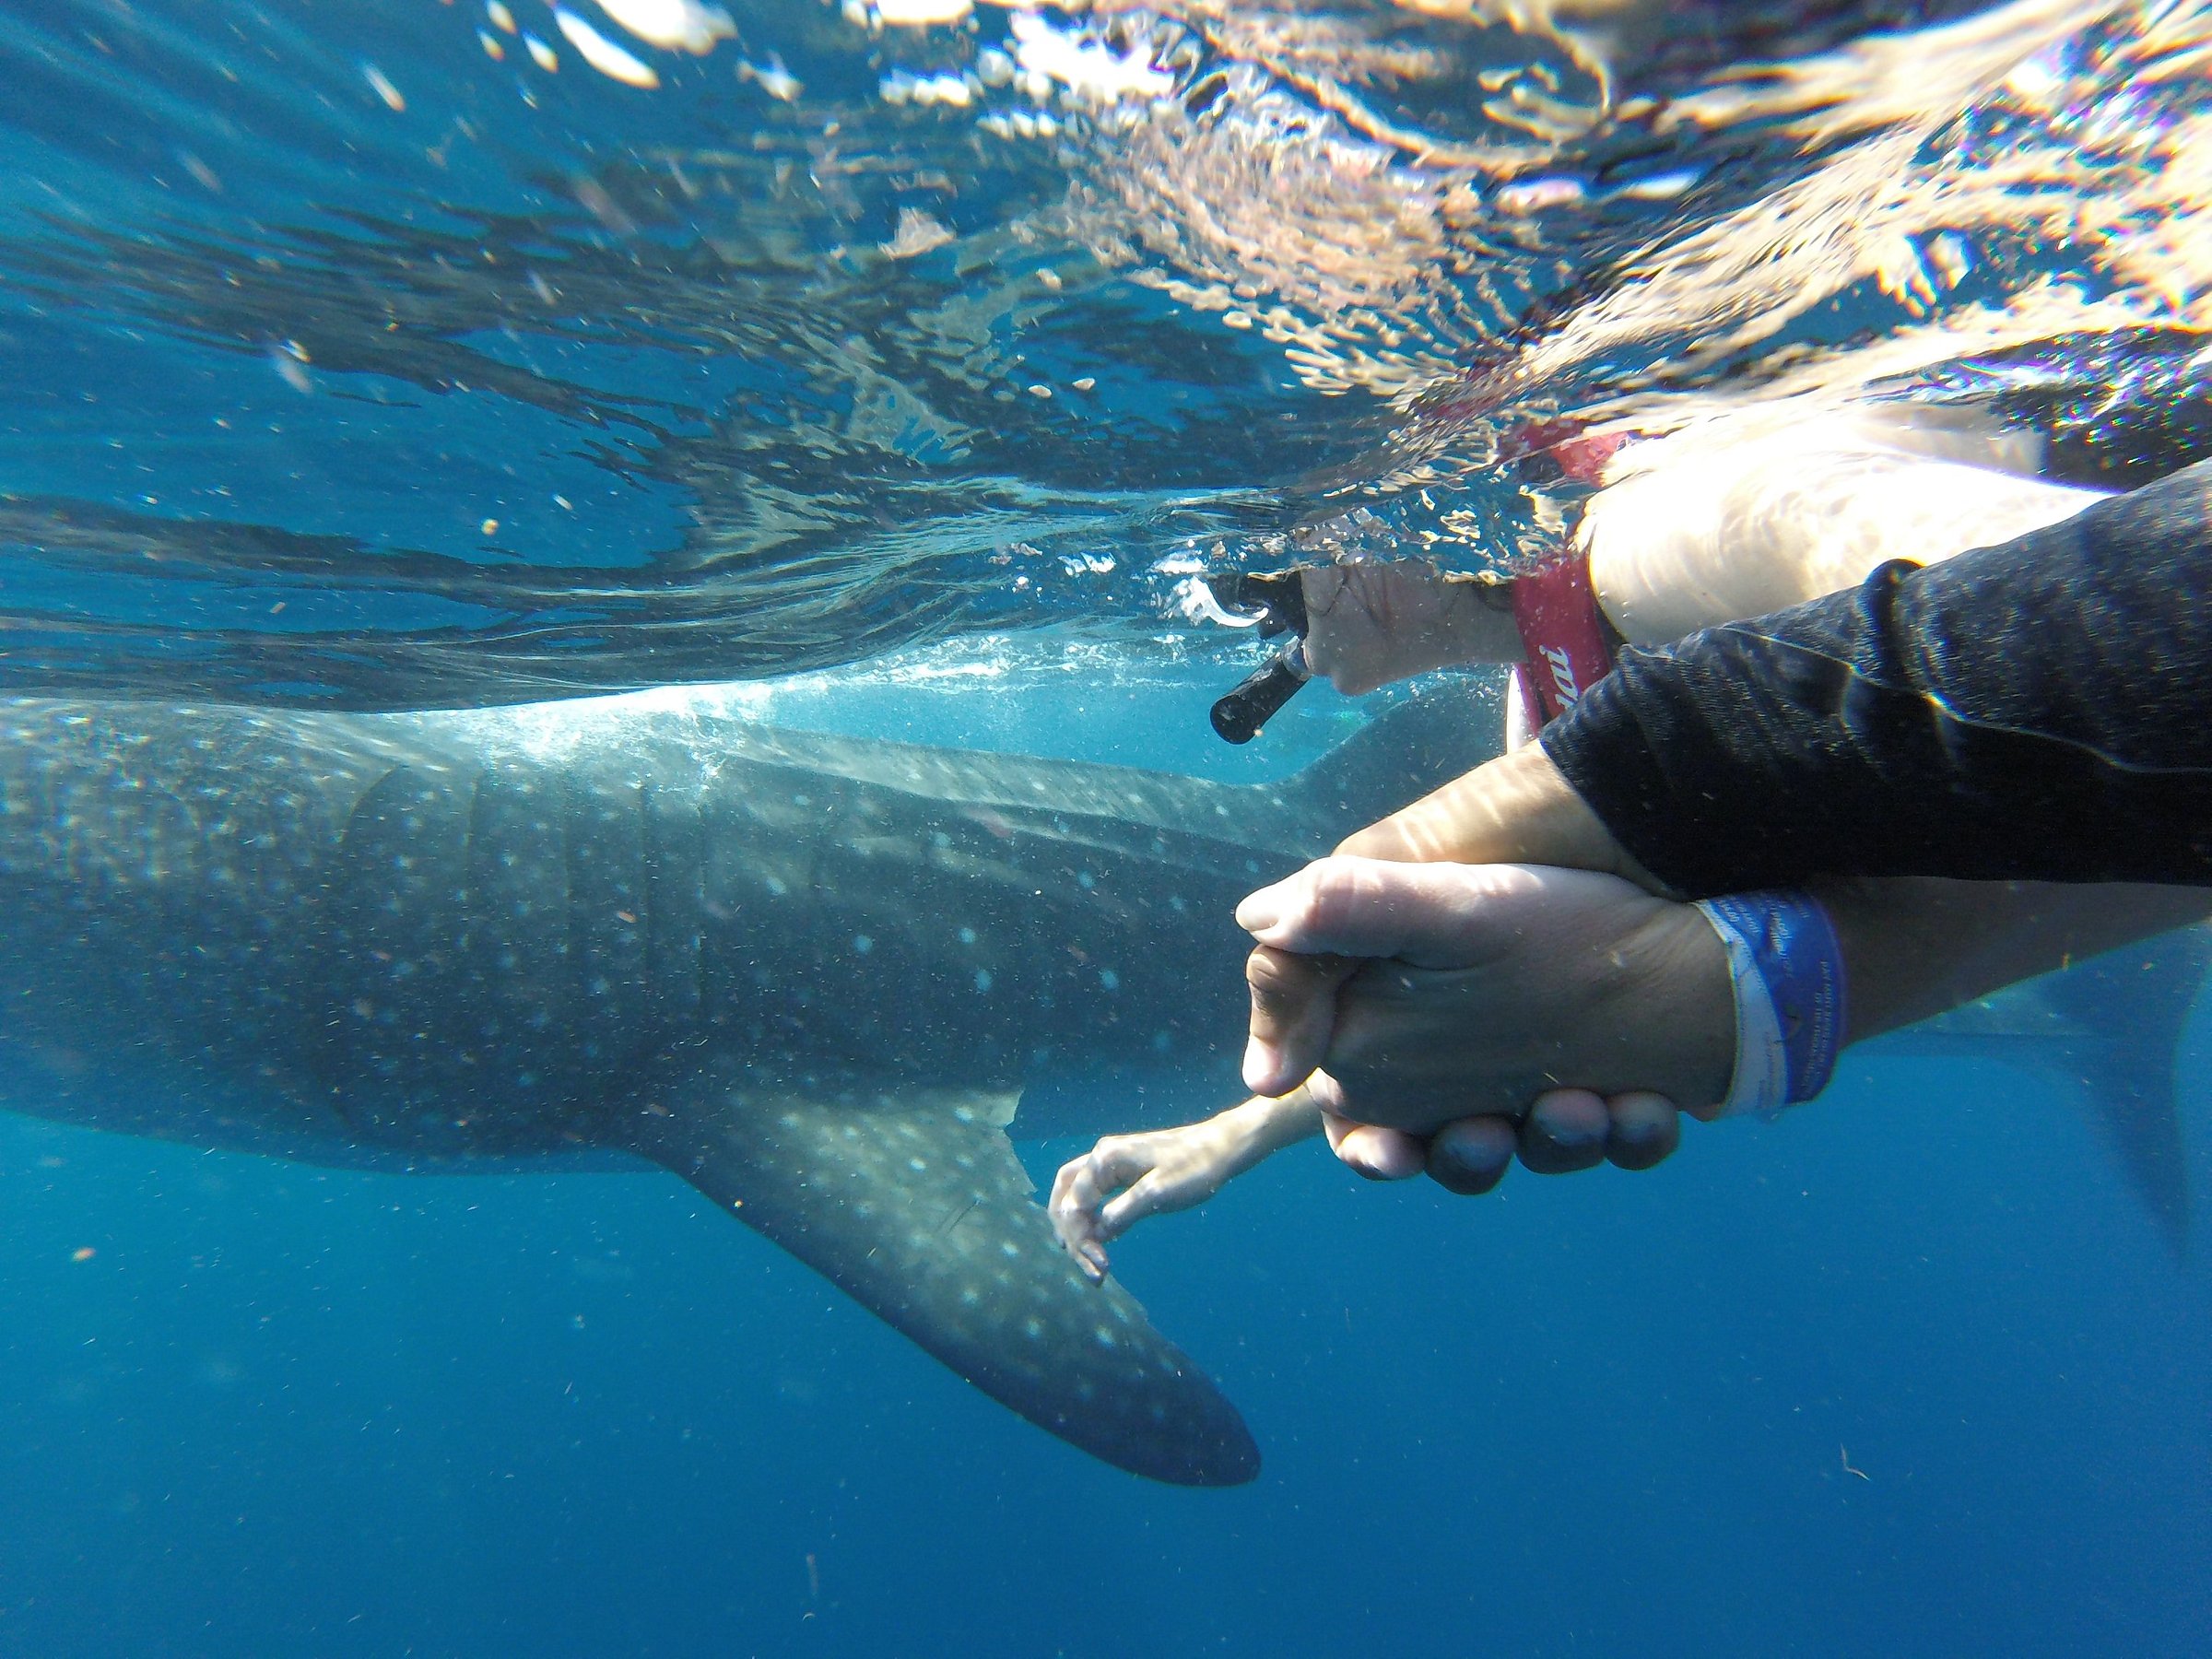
1124,1177
1412,995
1565,1130
1370,624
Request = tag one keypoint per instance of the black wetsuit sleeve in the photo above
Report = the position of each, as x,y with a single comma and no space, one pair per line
2037,710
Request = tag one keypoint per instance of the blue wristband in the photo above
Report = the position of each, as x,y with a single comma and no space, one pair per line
1786,970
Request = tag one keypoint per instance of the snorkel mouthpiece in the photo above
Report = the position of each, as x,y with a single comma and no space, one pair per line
1280,601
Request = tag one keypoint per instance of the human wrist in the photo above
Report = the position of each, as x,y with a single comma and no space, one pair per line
1787,987
1265,1125
1675,1009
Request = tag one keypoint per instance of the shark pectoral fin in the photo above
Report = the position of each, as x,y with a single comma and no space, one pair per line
923,1214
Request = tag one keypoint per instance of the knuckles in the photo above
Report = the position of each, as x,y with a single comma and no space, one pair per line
1274,973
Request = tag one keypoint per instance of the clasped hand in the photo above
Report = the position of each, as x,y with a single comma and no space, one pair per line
1483,974
1426,1006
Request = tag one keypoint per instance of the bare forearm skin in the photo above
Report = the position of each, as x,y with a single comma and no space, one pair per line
1262,1126
1914,947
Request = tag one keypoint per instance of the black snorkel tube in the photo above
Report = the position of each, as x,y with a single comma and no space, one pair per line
1281,603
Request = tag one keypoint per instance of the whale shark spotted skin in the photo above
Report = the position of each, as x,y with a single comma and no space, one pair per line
809,975
812,976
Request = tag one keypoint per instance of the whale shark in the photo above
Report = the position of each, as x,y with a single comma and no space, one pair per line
812,976
818,978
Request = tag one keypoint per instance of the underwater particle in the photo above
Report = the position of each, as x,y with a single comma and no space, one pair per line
1049,277
1536,195
83,1252
899,88
921,14
383,87
502,19
862,944
489,527
982,979
592,197
917,234
492,49
543,55
673,25
773,78
1235,319
1085,383
1041,392
563,502
602,55
1658,187
288,370
200,170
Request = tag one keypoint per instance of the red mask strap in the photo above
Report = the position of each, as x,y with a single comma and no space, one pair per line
1563,634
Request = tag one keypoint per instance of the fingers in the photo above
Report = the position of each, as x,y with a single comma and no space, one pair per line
1078,1200
1566,1130
1293,1016
1471,1157
1570,1129
1146,1196
1646,1130
1074,1208
1436,915
1378,1154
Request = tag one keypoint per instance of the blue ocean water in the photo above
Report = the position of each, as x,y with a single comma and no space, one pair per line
1908,1370
286,1411
345,360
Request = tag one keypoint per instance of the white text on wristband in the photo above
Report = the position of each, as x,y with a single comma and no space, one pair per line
1786,970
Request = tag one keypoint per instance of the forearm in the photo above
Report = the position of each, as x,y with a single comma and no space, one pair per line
1260,1126
1516,809
2029,712
1914,948
1371,624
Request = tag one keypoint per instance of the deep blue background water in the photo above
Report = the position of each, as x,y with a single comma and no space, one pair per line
287,1411
1907,1373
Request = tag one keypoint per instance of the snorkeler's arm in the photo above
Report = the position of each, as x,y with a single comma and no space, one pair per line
1124,1177
1701,533
1370,624
2039,711
1426,993
1914,948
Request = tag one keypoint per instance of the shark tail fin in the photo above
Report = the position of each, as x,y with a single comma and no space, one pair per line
917,1207
2131,1007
